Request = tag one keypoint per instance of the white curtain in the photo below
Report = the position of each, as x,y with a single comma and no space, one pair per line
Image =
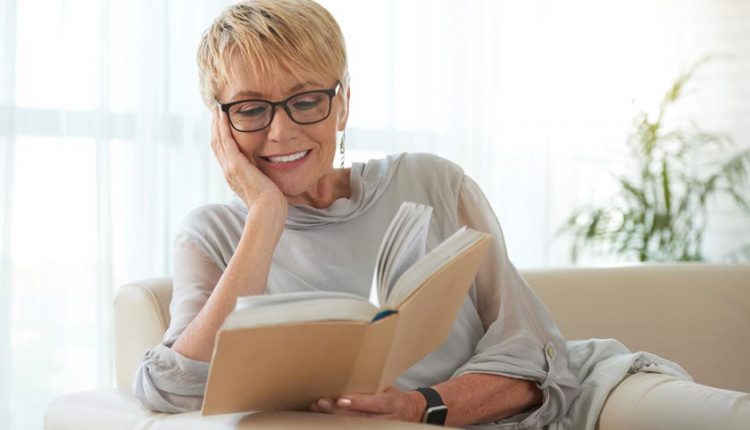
104,139
104,146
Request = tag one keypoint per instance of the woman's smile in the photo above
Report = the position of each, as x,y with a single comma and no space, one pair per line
287,161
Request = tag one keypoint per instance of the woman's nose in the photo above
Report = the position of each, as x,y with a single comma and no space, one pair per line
281,125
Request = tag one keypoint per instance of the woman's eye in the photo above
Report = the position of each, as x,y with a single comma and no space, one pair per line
306,104
251,111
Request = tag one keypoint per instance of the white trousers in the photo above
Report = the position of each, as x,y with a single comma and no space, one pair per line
652,401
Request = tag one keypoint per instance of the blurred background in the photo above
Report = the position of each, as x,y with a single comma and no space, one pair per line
104,141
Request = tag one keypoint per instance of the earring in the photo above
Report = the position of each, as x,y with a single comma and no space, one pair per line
341,148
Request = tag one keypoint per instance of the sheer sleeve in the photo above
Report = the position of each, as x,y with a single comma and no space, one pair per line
521,339
165,380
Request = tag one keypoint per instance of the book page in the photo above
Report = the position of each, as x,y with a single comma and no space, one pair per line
403,244
415,275
386,245
409,248
288,308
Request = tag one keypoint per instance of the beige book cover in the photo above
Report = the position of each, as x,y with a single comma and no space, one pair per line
289,366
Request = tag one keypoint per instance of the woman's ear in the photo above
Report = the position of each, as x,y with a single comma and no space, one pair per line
344,112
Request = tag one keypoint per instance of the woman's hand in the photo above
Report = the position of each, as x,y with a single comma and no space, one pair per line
245,179
391,404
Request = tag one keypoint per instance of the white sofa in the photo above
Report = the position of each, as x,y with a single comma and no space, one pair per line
697,315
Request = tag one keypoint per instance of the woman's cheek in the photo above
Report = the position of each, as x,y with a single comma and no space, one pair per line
249,150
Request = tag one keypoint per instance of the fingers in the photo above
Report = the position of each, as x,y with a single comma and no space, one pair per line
222,141
328,406
361,405
225,134
215,121
333,410
215,143
383,403
224,146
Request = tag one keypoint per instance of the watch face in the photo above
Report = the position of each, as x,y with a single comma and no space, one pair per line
436,415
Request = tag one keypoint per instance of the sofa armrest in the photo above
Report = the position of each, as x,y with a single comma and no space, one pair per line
141,316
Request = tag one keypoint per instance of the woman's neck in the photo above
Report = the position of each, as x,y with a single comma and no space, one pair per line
330,188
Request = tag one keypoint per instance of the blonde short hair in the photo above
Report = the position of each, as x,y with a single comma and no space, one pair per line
296,36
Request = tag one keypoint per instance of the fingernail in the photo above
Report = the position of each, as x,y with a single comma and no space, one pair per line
325,405
344,403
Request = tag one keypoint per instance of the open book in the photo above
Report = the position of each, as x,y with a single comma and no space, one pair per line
284,351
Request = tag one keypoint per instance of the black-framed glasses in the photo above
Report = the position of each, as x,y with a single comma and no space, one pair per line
303,108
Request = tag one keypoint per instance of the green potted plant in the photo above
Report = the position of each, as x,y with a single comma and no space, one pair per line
660,210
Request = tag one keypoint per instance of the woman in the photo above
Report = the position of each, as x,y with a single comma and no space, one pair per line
274,73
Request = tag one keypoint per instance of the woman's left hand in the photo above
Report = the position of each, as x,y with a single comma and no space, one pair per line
391,404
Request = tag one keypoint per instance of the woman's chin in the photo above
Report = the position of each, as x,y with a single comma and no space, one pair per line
290,183
290,191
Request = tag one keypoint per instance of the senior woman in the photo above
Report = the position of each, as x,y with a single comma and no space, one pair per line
274,73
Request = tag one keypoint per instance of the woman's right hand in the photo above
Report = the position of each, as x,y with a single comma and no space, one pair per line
245,179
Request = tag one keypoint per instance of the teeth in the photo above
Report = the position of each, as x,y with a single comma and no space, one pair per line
288,158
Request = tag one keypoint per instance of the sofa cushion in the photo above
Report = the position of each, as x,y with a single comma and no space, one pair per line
697,315
117,410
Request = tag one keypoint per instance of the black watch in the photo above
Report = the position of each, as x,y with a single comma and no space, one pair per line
436,412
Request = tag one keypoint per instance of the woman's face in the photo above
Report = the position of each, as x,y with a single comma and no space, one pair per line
284,137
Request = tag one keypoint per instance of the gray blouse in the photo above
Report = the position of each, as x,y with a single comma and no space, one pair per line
502,327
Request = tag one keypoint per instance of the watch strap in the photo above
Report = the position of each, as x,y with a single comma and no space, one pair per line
435,412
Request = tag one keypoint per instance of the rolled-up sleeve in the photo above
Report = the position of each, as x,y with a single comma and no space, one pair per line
168,382
521,339
165,380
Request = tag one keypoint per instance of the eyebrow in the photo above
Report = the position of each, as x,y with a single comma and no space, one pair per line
247,93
